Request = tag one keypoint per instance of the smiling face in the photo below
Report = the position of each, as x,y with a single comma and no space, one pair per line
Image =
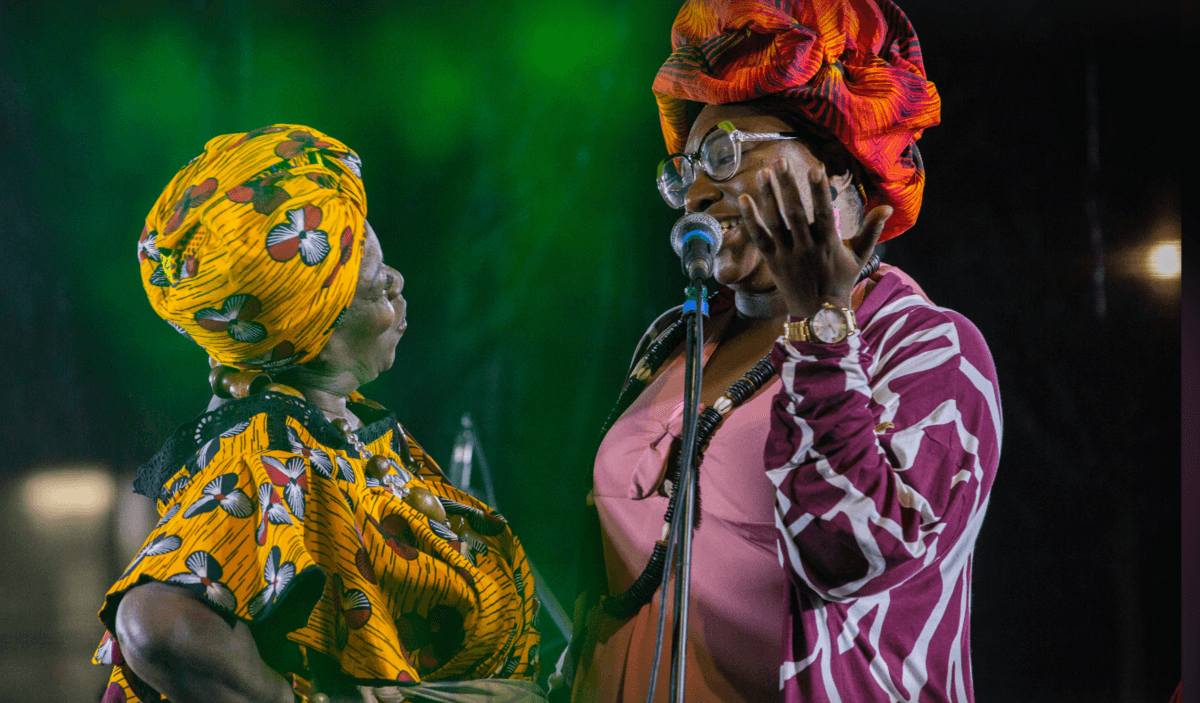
739,264
365,339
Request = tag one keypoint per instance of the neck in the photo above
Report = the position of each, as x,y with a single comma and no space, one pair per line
760,306
327,391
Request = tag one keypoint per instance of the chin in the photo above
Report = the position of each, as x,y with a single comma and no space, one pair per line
742,277
388,361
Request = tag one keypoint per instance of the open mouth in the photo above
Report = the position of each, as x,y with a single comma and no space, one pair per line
729,223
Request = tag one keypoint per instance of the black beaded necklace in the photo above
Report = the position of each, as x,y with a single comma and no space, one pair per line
623,605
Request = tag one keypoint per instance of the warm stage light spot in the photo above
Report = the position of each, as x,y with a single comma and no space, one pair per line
1164,260
69,493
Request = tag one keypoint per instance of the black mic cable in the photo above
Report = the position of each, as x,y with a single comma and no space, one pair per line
696,238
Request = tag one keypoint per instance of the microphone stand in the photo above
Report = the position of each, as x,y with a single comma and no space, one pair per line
679,536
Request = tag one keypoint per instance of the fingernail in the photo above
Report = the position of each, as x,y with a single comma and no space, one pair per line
815,173
764,178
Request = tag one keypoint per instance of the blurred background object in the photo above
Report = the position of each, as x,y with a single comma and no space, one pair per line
508,153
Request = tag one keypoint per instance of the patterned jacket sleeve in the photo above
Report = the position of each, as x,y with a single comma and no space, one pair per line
882,448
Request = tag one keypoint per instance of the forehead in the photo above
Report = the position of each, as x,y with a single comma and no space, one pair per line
371,258
748,117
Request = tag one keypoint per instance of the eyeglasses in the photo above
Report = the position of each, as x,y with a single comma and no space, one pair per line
720,155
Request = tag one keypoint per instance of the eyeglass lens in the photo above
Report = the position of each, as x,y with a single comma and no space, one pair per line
718,157
676,177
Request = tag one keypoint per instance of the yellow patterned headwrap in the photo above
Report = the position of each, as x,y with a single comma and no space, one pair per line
253,249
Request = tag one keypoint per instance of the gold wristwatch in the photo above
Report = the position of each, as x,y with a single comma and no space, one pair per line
829,325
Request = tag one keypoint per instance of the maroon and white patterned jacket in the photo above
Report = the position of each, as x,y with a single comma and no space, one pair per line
882,450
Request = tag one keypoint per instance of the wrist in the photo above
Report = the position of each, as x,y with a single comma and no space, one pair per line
806,308
830,324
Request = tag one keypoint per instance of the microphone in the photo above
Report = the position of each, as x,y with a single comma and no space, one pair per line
696,237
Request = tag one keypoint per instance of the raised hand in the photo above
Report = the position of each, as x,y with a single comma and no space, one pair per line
810,263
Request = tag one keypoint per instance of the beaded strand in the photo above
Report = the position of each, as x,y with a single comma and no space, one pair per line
626,604
623,605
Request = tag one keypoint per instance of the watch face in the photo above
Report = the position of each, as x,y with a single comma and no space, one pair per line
828,326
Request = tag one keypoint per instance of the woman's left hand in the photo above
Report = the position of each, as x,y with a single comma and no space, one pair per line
810,263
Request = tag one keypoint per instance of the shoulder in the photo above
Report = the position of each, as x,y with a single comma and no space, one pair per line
897,308
907,333
912,341
241,429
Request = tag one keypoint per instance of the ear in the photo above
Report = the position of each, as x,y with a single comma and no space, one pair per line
841,183
843,204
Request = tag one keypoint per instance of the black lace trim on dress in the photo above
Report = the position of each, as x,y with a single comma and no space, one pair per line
187,439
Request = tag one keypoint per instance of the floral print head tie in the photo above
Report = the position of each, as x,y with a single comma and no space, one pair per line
853,68
253,249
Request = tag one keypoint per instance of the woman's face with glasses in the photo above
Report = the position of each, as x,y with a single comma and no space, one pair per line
739,264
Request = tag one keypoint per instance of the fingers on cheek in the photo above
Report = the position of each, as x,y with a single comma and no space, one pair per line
751,221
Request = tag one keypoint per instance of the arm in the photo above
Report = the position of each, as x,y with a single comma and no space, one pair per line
860,512
189,653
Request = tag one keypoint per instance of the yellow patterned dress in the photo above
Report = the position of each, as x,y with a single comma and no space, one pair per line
270,516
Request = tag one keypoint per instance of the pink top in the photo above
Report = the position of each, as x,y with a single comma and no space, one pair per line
841,506
738,605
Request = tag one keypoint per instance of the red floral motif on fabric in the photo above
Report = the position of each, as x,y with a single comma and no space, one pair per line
271,511
190,267
321,179
351,610
352,163
113,694
145,246
109,651
269,129
236,317
297,142
194,196
261,193
362,560
204,577
316,456
397,535
445,636
299,235
347,245
292,477
281,356
222,492
277,574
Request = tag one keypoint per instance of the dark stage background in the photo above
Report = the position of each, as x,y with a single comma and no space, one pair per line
508,152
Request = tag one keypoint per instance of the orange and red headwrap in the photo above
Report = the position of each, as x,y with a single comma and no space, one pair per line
851,67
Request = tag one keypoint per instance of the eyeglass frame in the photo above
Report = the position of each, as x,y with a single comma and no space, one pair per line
736,136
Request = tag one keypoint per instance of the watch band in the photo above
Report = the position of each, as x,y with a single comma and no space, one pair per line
796,331
802,331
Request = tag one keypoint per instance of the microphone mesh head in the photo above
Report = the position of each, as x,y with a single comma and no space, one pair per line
692,222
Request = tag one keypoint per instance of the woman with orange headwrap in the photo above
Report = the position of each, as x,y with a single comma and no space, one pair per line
852,428
308,549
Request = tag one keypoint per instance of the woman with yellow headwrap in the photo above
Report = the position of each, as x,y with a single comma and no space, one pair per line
308,549
851,428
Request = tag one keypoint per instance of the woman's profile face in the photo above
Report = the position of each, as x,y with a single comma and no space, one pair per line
739,264
375,320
